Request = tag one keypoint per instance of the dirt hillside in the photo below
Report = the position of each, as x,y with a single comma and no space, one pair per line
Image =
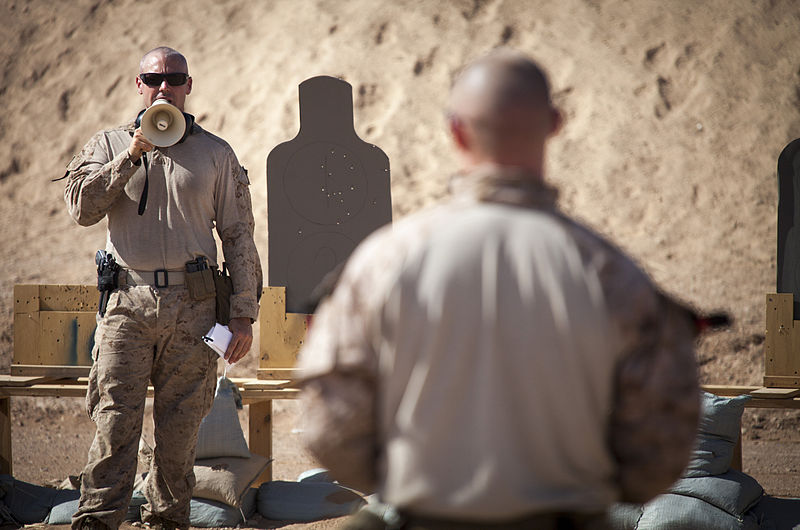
676,113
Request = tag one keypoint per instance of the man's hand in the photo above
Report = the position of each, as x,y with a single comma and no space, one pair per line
139,144
242,330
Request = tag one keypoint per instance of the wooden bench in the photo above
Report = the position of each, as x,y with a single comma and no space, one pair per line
54,334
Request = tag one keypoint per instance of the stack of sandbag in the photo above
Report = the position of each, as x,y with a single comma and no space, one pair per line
224,468
710,495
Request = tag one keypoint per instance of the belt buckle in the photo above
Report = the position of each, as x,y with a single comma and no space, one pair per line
156,278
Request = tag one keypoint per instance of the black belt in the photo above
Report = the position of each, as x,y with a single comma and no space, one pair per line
538,521
159,278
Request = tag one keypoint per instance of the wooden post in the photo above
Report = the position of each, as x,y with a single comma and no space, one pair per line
782,343
261,435
736,459
281,336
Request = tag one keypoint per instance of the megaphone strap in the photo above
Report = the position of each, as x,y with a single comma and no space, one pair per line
189,127
143,198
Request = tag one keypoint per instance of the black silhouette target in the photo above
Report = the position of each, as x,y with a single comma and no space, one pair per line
326,191
325,184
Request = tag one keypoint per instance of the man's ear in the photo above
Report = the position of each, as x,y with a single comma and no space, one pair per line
556,121
139,85
188,86
459,133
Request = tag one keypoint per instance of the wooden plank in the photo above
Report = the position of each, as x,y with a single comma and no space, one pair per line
26,338
54,338
281,334
14,380
77,388
66,338
775,393
292,374
49,390
6,456
780,338
778,381
53,371
260,434
762,403
26,298
729,390
295,333
255,385
68,298
736,457
250,397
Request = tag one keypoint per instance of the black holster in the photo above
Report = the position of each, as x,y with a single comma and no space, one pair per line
107,278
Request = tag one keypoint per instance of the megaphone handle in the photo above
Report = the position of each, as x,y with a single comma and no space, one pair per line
143,198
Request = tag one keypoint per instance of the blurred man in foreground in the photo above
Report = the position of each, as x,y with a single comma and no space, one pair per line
491,363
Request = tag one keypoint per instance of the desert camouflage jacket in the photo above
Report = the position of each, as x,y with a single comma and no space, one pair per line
193,187
449,404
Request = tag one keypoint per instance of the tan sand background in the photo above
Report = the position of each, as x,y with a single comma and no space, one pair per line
675,112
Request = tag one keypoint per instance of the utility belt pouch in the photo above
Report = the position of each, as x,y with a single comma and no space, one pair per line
107,278
200,279
224,289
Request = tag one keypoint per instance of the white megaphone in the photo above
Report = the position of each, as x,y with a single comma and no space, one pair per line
163,124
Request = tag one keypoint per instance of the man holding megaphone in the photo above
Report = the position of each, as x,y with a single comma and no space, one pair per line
163,183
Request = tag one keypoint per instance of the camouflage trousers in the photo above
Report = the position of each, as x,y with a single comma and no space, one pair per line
147,335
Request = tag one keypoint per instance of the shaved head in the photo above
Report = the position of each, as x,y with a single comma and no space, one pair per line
501,81
500,107
173,56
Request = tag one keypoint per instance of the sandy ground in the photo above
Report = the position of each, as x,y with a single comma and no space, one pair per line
676,113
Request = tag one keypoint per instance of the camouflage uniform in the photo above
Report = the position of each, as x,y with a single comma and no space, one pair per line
492,359
153,333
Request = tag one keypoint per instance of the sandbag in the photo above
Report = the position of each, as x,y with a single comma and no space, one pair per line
65,505
204,513
624,516
679,512
220,433
317,474
226,480
720,425
306,501
211,514
734,491
27,503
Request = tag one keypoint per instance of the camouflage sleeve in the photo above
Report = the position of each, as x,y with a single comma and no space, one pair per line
96,179
656,394
235,226
339,366
339,427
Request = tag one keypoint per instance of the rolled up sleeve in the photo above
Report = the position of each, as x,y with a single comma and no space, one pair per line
235,226
96,180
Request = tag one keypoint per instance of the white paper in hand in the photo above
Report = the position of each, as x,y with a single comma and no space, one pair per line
218,339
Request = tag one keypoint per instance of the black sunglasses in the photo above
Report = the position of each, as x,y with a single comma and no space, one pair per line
154,80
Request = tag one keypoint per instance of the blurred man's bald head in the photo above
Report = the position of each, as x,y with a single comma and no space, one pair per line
500,104
497,82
